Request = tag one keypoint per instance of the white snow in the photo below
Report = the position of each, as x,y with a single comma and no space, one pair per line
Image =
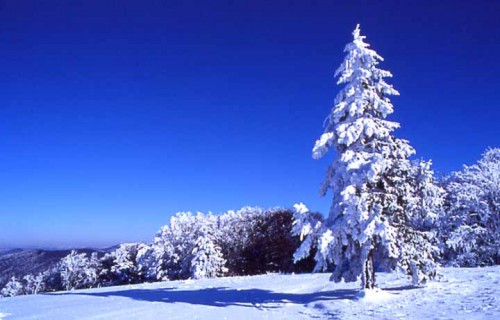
459,294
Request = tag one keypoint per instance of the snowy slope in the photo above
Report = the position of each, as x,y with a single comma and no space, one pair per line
460,294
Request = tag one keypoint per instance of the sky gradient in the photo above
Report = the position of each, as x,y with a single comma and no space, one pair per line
114,115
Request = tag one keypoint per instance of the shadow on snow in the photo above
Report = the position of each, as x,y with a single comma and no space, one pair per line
403,288
224,297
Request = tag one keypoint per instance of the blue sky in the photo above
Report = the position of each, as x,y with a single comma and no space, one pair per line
116,114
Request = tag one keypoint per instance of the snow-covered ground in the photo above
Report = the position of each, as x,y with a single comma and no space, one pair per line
459,294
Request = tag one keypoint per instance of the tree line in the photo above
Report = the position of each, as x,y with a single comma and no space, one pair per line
247,241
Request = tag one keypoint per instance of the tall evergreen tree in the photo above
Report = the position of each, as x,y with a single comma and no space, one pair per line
369,177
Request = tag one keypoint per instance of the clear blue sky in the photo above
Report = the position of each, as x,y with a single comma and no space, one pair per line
116,114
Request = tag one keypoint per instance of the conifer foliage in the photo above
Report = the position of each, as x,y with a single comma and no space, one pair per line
369,177
207,256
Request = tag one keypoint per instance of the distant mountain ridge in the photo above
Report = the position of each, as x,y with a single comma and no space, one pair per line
21,262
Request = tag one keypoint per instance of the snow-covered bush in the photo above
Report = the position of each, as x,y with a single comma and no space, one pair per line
256,241
241,242
271,245
29,284
34,284
146,262
250,241
470,228
174,245
13,288
237,228
377,202
77,271
120,266
52,279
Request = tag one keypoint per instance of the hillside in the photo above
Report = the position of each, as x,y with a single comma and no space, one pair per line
459,294
18,262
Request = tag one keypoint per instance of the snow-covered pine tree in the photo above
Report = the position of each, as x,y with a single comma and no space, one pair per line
369,176
207,260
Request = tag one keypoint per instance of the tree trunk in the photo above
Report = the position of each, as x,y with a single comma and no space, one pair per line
369,275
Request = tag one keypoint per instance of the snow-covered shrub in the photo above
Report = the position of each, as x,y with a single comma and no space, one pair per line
34,284
237,228
146,262
13,288
250,241
129,263
77,271
52,280
470,228
256,241
242,242
174,244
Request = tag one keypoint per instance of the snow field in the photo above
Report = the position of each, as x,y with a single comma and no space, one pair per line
459,294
